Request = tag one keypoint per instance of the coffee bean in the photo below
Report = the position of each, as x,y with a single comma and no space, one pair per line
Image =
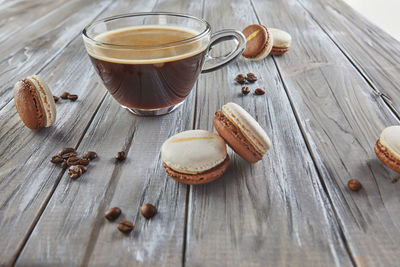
74,172
84,161
56,159
354,185
125,226
83,168
148,210
121,156
90,155
66,150
73,97
259,91
112,213
73,161
69,155
251,77
64,164
245,90
240,79
64,95
55,98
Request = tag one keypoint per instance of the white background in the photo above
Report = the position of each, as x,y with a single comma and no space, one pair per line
384,13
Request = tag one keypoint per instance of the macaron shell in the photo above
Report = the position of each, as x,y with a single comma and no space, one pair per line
390,138
200,178
248,126
281,38
28,104
235,138
46,98
193,151
256,40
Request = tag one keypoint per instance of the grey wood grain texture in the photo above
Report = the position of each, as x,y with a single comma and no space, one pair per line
274,212
341,118
373,51
73,231
31,50
27,178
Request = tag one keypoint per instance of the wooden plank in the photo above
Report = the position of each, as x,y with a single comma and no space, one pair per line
373,51
341,119
75,213
38,50
275,212
27,177
15,16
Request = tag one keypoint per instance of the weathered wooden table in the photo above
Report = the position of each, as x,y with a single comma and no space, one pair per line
327,100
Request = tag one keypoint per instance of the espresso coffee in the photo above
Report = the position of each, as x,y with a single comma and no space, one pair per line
150,68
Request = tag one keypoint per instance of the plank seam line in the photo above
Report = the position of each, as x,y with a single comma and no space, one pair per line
303,133
385,97
48,198
189,187
113,182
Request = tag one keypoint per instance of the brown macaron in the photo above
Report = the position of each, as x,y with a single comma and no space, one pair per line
242,132
387,147
259,42
34,102
195,157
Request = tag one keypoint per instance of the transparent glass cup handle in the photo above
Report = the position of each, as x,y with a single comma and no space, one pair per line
214,63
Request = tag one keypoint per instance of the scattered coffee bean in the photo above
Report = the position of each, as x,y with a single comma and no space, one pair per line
83,168
64,164
74,172
396,180
66,150
148,210
125,226
90,155
354,185
56,159
251,77
259,91
64,95
121,156
112,213
73,97
240,79
245,90
84,161
69,155
55,98
73,161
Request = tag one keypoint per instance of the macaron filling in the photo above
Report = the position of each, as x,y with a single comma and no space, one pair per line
198,178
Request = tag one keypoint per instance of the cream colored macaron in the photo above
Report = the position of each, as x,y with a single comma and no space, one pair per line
282,41
195,156
387,147
242,132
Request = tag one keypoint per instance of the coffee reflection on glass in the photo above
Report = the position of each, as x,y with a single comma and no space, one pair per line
149,68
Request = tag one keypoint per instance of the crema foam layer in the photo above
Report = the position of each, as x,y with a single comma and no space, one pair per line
148,45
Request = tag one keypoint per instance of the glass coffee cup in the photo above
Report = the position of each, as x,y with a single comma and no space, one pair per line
149,62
